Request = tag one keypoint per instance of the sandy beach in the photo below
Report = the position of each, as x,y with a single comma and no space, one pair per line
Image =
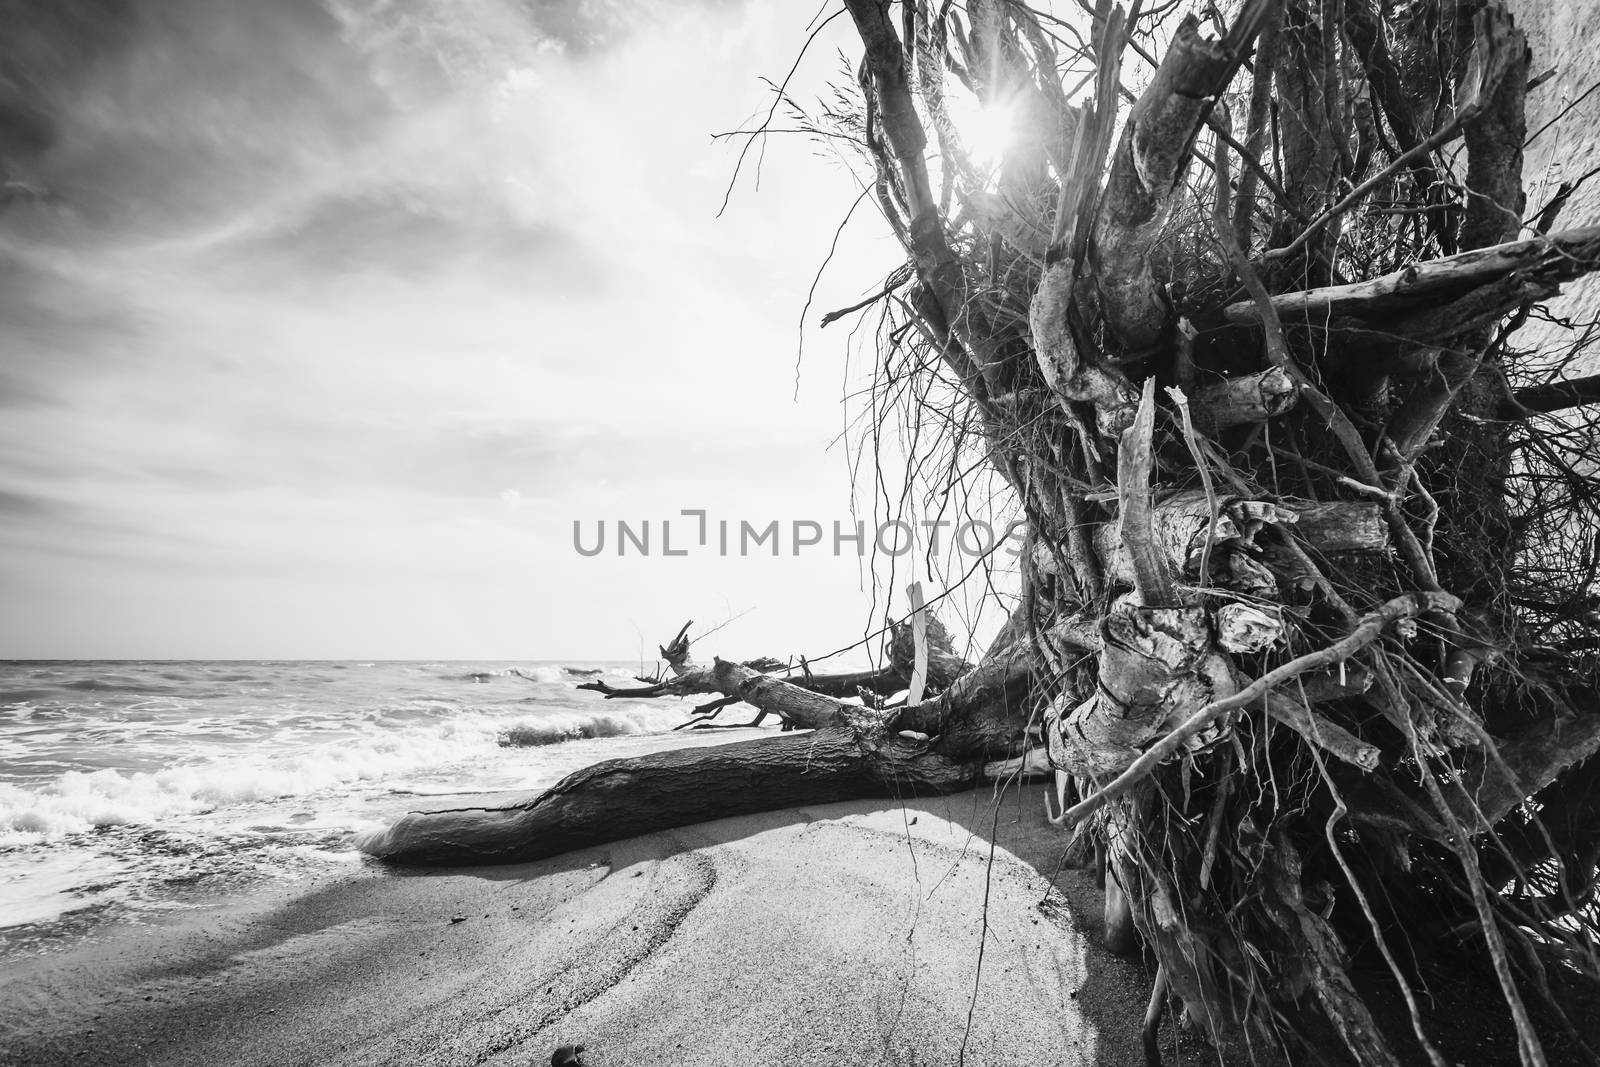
844,933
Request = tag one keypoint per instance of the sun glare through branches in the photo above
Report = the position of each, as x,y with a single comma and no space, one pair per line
987,129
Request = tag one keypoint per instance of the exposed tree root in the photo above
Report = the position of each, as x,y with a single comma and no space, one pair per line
1291,493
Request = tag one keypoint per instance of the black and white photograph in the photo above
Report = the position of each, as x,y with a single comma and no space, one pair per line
737,533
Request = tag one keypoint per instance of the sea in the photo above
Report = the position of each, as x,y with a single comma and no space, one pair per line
132,788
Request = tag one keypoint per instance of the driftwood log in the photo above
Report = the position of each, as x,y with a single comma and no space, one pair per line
950,742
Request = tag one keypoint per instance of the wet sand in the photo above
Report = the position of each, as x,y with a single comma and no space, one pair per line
838,934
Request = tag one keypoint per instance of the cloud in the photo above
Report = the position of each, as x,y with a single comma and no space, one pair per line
316,287
15,505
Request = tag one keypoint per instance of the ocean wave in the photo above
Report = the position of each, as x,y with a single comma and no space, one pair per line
25,696
543,675
116,684
382,751
547,675
630,673
79,801
555,728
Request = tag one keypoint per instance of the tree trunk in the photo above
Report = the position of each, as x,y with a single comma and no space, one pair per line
623,798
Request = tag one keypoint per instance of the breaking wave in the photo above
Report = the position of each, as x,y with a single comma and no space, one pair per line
566,674
80,801
554,728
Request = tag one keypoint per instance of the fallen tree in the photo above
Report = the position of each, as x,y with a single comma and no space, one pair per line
1309,628
686,678
850,750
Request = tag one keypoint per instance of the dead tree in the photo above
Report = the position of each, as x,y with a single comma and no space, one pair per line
684,677
1310,613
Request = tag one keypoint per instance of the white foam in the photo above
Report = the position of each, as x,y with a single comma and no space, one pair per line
78,801
544,675
41,887
618,721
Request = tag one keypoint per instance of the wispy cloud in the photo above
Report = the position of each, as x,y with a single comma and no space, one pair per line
328,300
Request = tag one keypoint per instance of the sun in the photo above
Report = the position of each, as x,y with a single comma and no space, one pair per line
986,129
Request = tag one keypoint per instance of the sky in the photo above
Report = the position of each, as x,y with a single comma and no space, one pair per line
321,323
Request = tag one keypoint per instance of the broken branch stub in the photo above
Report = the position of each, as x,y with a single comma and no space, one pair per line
1146,170
1181,524
1243,401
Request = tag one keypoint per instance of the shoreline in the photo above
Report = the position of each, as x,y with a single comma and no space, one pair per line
837,933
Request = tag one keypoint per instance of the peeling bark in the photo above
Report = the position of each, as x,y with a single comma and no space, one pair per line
1243,401
1182,526
1156,664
